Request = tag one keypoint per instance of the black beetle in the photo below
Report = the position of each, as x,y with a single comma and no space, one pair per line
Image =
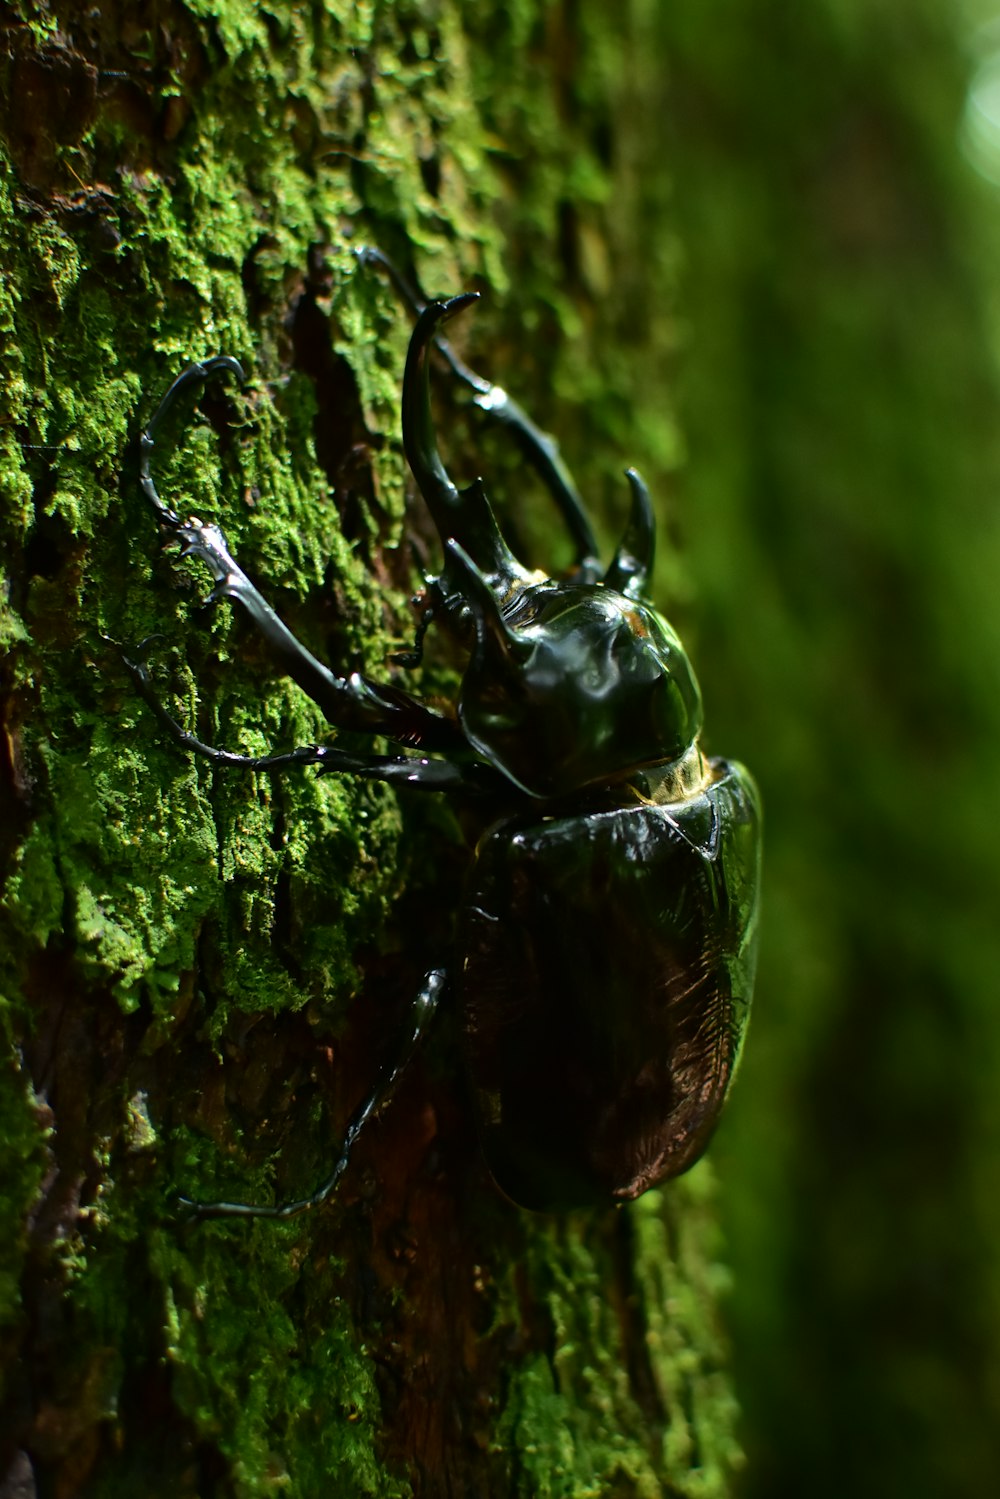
606,940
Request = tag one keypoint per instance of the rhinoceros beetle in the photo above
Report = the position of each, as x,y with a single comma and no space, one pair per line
606,939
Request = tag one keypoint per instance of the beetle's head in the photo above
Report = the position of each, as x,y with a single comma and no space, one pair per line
573,684
570,684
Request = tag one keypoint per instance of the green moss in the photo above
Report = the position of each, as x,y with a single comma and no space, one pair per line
682,1282
573,1423
291,1405
570,1419
188,907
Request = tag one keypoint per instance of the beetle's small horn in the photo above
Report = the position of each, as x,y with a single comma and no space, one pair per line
503,566
464,514
490,626
633,561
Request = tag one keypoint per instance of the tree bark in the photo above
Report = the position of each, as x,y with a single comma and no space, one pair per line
202,971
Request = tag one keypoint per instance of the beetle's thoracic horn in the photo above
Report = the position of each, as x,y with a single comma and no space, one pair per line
633,561
490,627
463,515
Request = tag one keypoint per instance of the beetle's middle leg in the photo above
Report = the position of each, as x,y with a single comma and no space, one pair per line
414,772
424,1008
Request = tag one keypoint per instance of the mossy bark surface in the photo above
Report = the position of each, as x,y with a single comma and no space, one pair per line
201,971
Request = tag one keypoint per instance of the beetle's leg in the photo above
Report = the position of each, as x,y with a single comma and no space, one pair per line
415,655
195,374
414,772
349,702
540,448
424,1007
428,602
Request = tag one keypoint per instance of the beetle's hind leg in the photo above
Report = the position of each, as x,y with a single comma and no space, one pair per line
424,1008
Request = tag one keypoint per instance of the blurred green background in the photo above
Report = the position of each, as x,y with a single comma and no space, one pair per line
837,193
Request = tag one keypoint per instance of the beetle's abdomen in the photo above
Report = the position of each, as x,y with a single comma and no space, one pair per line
608,966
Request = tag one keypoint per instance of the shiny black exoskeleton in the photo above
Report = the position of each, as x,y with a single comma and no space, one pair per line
606,940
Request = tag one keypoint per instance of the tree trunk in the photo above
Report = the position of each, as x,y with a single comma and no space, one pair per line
202,971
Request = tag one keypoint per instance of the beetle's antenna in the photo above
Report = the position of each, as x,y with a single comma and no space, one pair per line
463,515
633,561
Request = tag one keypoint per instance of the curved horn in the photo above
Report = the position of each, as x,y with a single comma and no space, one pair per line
633,561
419,442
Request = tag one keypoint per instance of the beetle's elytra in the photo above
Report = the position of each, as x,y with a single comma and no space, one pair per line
606,942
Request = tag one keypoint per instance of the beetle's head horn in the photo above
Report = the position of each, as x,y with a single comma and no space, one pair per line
633,562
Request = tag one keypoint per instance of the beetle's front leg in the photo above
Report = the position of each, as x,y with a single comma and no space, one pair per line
349,702
424,1008
195,374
